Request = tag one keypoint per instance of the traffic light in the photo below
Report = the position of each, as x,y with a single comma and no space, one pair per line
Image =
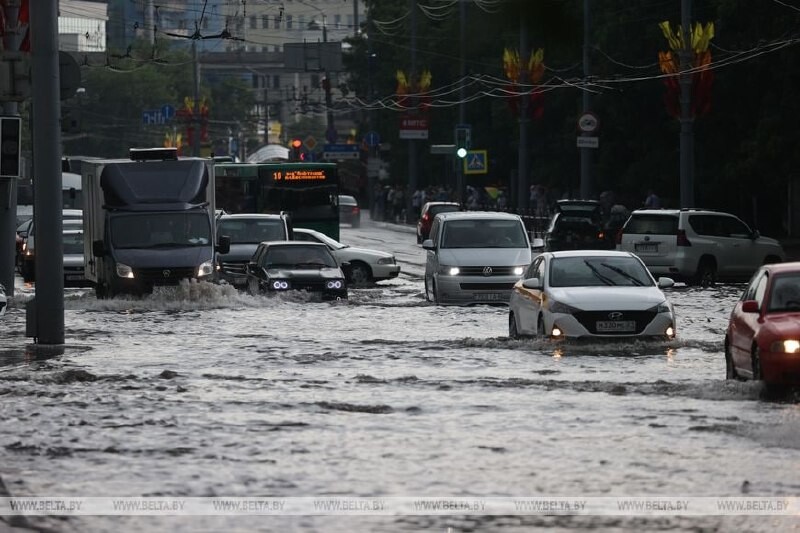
295,152
463,140
10,138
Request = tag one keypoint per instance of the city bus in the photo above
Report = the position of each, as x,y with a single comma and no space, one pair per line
309,192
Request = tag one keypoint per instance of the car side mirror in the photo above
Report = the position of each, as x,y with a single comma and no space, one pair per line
665,283
537,243
532,283
223,244
428,244
98,248
750,306
755,235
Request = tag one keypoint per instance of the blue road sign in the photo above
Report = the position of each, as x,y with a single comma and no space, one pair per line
341,151
476,162
168,112
372,138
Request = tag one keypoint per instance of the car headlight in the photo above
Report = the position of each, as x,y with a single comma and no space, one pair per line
785,346
663,307
335,284
449,270
124,271
206,269
518,271
558,307
386,261
279,285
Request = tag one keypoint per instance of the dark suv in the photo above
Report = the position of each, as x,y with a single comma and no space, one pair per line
247,231
577,225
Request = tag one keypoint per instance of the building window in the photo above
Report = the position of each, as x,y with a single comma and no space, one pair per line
288,22
277,24
265,22
301,22
253,23
315,80
350,21
276,48
264,49
337,21
276,82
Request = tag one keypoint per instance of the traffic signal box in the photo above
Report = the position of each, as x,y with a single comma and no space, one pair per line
463,140
296,150
10,146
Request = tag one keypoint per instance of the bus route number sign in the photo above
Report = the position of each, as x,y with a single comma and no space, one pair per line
299,175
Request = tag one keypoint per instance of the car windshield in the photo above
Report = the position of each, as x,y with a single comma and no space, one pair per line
160,230
484,233
299,257
436,209
785,293
594,271
252,231
73,243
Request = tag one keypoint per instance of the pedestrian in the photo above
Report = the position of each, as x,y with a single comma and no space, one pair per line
652,201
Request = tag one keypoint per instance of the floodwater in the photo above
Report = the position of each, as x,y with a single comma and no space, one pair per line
202,391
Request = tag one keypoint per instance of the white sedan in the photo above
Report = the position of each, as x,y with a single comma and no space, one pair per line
366,265
590,294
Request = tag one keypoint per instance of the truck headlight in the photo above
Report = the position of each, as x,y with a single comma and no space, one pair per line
206,269
124,271
518,271
449,270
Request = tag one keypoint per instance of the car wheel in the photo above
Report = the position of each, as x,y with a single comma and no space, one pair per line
419,238
360,273
427,291
100,291
540,332
706,274
252,287
730,369
435,289
756,363
512,326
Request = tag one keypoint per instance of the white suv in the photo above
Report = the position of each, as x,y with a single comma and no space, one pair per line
697,246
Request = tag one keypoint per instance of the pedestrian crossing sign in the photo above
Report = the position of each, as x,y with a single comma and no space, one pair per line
476,162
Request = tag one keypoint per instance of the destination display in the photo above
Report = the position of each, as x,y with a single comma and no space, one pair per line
285,174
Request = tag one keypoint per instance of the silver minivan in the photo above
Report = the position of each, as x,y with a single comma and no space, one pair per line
475,257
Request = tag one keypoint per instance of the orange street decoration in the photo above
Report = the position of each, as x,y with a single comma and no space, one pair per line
186,115
417,88
702,76
535,73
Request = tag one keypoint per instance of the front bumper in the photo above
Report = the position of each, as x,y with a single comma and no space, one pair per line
571,327
464,290
380,272
780,368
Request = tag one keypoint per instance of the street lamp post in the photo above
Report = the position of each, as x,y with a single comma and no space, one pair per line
330,132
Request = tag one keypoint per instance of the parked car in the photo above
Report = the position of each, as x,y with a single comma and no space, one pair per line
280,266
73,258
698,246
26,254
3,300
366,266
427,214
762,341
246,232
475,257
349,212
590,294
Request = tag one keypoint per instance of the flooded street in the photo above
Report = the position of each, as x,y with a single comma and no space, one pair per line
204,391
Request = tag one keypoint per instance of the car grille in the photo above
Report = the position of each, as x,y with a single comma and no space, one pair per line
589,319
234,267
314,285
164,276
486,286
479,271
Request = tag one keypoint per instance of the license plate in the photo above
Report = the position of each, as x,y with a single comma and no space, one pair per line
645,247
74,277
239,281
609,326
488,297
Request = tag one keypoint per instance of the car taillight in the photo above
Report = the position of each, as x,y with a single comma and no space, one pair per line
356,210
618,239
601,235
425,217
682,240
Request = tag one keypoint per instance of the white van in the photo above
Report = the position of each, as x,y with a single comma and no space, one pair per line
475,257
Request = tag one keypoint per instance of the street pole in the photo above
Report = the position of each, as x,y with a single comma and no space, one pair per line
48,310
586,152
687,133
462,114
196,111
330,134
523,193
412,145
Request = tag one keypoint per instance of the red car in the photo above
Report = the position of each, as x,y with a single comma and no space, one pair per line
429,211
763,337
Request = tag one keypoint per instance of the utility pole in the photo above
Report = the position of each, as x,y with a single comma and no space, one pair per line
412,144
462,115
48,306
196,111
355,18
523,193
150,22
687,121
586,152
330,133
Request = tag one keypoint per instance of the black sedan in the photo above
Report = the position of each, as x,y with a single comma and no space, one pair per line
281,266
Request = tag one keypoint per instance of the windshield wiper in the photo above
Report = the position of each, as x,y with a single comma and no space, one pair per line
597,274
624,274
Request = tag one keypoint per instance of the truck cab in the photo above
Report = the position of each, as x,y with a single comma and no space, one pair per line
149,221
